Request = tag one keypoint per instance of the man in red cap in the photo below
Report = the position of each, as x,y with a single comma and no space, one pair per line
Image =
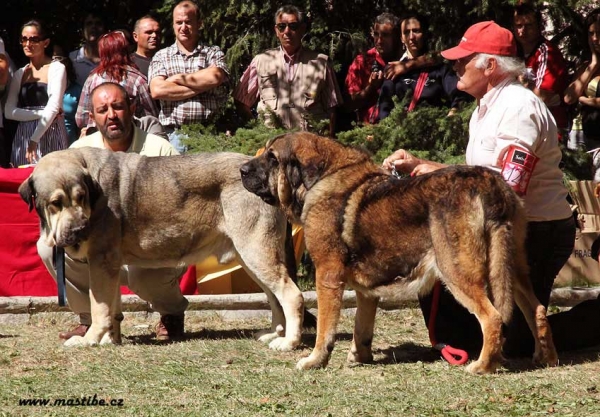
508,116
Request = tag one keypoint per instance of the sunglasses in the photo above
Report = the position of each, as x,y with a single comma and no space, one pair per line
120,32
34,40
293,26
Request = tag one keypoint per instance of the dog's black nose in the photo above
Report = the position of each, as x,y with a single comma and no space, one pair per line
244,170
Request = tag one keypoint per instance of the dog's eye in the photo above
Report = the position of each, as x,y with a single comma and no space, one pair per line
57,204
79,199
272,158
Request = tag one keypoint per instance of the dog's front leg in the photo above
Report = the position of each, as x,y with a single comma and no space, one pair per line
105,328
364,324
330,289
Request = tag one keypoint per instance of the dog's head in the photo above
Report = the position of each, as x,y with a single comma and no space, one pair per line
291,165
63,193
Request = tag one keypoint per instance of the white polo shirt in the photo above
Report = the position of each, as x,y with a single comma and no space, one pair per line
512,114
143,143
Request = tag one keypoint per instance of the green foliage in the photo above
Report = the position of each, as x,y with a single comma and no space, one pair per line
247,140
429,132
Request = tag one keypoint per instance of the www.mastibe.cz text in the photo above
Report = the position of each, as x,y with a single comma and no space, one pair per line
89,401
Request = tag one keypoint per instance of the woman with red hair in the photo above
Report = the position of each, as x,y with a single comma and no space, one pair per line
116,66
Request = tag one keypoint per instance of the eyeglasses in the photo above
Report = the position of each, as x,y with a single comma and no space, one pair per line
293,26
34,40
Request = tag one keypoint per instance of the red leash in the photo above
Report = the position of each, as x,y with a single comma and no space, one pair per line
452,355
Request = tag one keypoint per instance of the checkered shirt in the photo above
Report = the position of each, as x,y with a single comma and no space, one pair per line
170,61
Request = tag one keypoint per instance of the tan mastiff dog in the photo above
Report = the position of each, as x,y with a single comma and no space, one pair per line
117,209
383,236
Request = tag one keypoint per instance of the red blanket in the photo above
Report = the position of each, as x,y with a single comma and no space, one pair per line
22,273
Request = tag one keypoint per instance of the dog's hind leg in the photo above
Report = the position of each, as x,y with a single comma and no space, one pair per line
330,290
364,324
477,302
264,258
535,314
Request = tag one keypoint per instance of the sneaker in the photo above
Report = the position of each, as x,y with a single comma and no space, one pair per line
170,328
80,330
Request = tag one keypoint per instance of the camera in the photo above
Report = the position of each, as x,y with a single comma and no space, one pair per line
376,67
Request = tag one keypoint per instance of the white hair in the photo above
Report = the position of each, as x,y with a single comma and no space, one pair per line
508,65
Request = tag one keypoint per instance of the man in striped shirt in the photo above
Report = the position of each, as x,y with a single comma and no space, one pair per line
188,78
546,73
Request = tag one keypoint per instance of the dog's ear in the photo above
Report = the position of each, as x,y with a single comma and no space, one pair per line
27,192
92,187
311,172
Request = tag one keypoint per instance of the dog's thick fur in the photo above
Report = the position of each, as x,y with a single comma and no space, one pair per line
117,209
382,235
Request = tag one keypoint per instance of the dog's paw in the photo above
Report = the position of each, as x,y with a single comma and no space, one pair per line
283,344
267,336
356,358
481,367
309,363
109,339
79,341
547,358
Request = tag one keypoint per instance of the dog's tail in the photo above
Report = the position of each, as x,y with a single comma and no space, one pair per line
507,259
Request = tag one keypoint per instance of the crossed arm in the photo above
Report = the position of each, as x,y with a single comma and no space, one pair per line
184,86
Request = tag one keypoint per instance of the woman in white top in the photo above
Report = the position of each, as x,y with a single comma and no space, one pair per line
35,99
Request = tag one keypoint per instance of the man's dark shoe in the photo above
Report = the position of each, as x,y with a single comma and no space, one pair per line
170,328
80,330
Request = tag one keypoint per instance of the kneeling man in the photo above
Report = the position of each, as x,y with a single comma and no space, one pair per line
113,113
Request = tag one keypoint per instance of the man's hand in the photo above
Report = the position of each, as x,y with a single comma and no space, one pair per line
393,69
401,161
597,190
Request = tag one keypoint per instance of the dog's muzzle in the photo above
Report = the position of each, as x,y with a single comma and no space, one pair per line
73,234
256,183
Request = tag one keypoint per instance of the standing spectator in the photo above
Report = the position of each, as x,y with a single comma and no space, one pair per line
4,79
113,115
546,72
117,66
72,94
35,99
584,92
86,58
146,34
188,77
365,75
296,84
431,86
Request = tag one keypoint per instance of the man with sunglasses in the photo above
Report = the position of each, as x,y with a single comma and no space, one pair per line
188,78
293,83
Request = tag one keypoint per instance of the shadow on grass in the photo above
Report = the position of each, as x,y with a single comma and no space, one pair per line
406,353
308,339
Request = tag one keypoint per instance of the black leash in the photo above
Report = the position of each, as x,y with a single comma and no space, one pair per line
59,266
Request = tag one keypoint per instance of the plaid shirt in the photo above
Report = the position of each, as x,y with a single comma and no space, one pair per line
170,61
134,83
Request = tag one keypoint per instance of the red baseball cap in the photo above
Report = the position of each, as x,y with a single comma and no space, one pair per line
486,38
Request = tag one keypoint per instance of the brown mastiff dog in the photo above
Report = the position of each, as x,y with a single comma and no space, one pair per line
382,236
117,209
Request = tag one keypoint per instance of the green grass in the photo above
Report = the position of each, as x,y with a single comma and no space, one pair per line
220,370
